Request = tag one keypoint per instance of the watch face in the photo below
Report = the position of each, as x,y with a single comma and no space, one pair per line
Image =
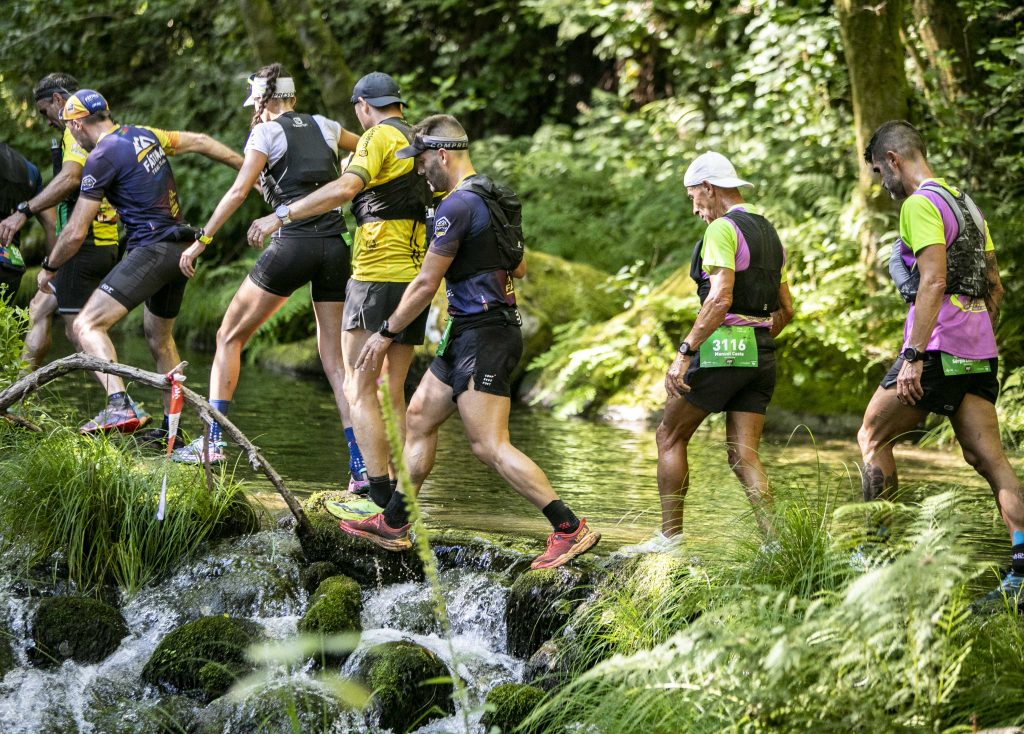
282,211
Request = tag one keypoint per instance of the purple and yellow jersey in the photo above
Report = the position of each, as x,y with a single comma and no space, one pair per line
104,227
129,167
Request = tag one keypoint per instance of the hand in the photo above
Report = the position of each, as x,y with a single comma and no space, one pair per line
10,226
187,261
908,383
373,353
262,228
44,281
675,382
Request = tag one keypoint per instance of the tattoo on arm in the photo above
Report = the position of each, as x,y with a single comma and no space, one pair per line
995,287
875,485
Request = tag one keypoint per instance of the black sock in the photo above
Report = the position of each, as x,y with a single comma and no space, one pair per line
395,514
165,424
394,484
380,490
1017,560
561,517
120,399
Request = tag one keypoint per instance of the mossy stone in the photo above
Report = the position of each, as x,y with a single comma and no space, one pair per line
7,660
270,708
333,609
512,703
202,658
539,604
75,628
395,673
357,558
314,574
240,517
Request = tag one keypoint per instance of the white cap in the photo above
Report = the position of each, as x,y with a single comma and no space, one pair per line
285,87
714,168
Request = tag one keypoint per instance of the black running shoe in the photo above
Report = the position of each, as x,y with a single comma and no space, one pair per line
156,438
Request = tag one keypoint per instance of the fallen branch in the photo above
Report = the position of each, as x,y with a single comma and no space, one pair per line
78,362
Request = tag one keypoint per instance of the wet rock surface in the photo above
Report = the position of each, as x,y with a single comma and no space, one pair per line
334,609
512,703
314,574
540,603
75,628
396,673
279,707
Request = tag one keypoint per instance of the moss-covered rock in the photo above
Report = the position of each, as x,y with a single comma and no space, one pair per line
75,628
508,705
395,673
548,668
271,709
301,358
311,576
241,517
202,658
471,549
7,660
334,609
539,604
357,558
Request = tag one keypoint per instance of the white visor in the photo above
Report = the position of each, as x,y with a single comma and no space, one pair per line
285,87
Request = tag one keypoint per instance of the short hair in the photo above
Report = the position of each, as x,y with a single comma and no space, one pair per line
898,136
58,81
98,116
440,125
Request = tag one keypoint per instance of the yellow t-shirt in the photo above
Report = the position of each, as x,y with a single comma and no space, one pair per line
391,250
104,227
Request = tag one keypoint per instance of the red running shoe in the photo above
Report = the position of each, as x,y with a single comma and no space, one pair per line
563,547
379,532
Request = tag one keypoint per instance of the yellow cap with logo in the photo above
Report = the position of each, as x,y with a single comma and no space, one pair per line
83,103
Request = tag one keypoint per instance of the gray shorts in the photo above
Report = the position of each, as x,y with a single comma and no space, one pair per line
368,305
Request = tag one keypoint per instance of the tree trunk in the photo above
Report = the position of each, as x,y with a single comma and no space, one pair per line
260,25
325,61
878,88
943,31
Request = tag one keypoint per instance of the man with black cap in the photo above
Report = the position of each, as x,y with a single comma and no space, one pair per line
480,349
389,202
727,360
129,165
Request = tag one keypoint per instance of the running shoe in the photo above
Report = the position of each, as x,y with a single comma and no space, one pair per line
126,418
563,547
354,509
1010,588
358,487
379,532
156,438
193,452
658,543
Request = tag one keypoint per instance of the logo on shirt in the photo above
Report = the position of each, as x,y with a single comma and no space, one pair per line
88,182
142,144
441,226
297,122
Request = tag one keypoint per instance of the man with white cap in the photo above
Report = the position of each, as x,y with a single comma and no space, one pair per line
727,360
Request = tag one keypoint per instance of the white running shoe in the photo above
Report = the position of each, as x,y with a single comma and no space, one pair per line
193,453
659,543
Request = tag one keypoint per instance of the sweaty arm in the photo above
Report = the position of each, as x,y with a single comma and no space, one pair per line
715,307
931,261
205,145
60,187
785,312
338,192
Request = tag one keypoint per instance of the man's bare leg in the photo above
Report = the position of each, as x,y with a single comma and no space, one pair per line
743,437
681,420
885,420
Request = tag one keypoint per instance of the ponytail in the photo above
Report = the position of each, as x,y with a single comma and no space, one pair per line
271,73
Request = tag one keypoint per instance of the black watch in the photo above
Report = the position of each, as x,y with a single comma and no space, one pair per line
686,350
24,208
45,265
911,355
383,331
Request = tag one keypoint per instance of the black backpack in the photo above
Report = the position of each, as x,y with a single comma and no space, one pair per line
506,212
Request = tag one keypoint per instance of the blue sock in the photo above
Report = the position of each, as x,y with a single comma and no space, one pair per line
356,464
223,406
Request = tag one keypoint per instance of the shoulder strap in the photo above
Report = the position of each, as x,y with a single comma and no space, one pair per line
950,201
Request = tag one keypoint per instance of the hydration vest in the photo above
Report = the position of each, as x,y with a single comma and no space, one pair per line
307,164
756,290
15,187
405,197
966,271
477,254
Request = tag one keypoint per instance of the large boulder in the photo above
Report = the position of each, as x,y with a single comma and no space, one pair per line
280,706
395,673
8,661
75,628
508,706
202,658
359,559
539,604
333,610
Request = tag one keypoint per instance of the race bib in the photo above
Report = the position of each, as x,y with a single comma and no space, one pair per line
730,346
443,344
13,255
953,365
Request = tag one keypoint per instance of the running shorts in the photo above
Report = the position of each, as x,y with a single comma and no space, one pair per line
81,275
368,305
290,262
149,274
734,389
488,354
943,394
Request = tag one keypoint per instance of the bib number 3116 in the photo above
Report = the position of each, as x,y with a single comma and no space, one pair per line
730,346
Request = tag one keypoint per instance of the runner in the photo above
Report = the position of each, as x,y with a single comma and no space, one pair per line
727,360
19,181
481,348
292,155
129,166
389,202
949,359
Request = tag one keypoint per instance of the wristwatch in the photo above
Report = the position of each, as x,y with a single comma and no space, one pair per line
24,208
282,214
686,350
383,331
45,265
911,355
204,238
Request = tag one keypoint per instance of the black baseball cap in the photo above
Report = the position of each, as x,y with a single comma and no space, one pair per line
378,89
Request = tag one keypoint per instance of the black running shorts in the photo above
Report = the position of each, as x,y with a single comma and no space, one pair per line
291,262
11,279
943,394
735,389
487,354
81,275
150,275
368,305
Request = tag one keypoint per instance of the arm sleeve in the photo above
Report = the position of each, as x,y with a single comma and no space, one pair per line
720,243
921,224
97,175
369,156
451,226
